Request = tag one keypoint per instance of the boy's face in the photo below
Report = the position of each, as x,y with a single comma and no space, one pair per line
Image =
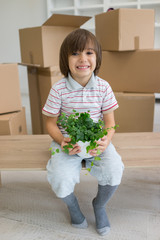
82,65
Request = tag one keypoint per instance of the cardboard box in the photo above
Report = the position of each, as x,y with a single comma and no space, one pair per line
40,82
41,45
135,112
137,71
13,123
10,96
125,29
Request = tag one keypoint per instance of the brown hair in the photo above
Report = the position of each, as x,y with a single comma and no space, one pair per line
77,41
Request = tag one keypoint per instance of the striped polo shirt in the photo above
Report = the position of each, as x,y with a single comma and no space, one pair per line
67,94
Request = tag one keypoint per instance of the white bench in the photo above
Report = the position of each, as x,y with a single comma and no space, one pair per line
31,152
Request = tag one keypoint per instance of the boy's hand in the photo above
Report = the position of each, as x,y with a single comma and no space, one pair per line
103,144
76,148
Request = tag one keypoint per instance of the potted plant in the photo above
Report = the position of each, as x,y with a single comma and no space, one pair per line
82,130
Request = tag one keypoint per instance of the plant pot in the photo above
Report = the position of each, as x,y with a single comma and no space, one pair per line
83,152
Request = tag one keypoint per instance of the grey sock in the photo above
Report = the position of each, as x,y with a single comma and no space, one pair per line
99,206
77,218
83,225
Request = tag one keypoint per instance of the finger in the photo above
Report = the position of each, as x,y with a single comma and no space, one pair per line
67,139
101,148
76,145
96,152
93,153
103,138
74,151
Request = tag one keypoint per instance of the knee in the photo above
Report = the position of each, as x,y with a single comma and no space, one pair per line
112,170
62,186
62,181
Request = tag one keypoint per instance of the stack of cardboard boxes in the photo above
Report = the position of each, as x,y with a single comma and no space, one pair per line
40,52
40,81
130,64
12,115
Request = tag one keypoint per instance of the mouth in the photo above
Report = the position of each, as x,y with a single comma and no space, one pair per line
83,67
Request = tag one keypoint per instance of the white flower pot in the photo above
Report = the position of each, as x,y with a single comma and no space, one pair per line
83,152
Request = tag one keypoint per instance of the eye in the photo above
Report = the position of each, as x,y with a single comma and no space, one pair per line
89,52
74,53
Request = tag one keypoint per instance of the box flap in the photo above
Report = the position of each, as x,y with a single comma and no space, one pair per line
66,20
29,64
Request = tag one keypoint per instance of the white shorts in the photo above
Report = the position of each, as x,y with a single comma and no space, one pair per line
64,170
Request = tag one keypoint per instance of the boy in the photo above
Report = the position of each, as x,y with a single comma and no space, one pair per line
82,90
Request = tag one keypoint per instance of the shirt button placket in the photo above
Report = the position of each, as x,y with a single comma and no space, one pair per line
84,95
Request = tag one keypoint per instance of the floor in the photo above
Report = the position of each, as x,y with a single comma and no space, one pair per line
29,210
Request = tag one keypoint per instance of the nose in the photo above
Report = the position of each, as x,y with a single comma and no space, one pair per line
82,57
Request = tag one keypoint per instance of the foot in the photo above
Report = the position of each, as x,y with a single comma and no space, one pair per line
102,222
103,231
77,218
82,225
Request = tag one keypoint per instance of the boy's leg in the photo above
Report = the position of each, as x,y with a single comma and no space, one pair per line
99,205
77,218
63,172
108,172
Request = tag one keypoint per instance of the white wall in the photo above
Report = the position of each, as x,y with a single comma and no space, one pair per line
14,15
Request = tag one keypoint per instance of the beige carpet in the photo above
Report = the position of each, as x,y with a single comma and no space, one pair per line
29,210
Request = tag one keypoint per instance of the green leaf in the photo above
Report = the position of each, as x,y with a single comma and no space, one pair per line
88,169
69,146
66,150
97,158
87,149
116,126
98,151
57,150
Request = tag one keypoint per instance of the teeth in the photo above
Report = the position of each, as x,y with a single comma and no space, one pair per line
84,67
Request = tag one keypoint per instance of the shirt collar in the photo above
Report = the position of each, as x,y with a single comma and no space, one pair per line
73,85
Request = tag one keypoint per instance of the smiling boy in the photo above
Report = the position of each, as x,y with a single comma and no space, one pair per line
81,89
